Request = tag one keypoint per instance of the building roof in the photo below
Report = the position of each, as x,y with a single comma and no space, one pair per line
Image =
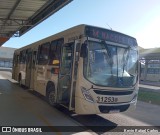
150,54
6,53
19,16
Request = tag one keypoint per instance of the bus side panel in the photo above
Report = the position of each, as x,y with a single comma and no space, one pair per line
40,79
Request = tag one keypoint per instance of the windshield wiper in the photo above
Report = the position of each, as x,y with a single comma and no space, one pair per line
110,61
125,61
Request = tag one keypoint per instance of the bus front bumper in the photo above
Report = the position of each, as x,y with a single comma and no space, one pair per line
85,107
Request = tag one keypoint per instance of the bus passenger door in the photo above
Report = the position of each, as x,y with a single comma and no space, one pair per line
28,67
65,74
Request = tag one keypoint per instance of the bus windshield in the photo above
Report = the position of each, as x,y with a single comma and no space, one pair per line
112,66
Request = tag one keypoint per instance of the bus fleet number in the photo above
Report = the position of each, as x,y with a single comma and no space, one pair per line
106,99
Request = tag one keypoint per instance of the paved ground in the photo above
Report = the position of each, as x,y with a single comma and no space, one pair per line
147,113
20,107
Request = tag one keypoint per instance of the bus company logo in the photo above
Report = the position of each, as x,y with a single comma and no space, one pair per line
6,129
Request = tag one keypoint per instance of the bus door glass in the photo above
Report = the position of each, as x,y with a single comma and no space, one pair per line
28,67
65,74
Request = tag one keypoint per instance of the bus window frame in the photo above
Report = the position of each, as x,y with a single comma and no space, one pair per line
22,57
34,59
16,60
56,51
42,61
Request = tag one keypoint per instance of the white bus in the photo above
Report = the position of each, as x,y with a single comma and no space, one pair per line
87,69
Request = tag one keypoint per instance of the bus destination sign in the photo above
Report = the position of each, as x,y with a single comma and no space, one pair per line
109,35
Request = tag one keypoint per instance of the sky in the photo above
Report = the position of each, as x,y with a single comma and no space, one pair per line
137,18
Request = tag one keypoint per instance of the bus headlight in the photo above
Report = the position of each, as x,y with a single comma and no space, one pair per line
134,98
86,94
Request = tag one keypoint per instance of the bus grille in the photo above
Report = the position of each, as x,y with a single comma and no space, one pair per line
104,92
107,109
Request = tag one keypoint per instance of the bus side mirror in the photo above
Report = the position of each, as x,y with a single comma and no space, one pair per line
83,51
55,62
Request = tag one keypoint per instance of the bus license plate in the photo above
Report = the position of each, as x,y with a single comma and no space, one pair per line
101,99
114,111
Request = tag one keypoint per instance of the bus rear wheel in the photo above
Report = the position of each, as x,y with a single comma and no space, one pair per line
51,96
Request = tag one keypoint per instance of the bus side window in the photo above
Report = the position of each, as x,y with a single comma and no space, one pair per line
22,57
14,57
43,54
55,50
59,44
16,60
34,59
39,48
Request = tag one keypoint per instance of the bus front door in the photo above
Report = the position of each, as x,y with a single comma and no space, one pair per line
65,75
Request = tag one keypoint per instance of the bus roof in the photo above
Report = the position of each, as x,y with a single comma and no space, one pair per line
91,31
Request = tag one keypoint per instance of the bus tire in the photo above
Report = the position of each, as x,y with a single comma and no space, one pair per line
51,96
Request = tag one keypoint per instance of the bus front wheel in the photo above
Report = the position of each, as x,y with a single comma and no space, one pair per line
51,96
